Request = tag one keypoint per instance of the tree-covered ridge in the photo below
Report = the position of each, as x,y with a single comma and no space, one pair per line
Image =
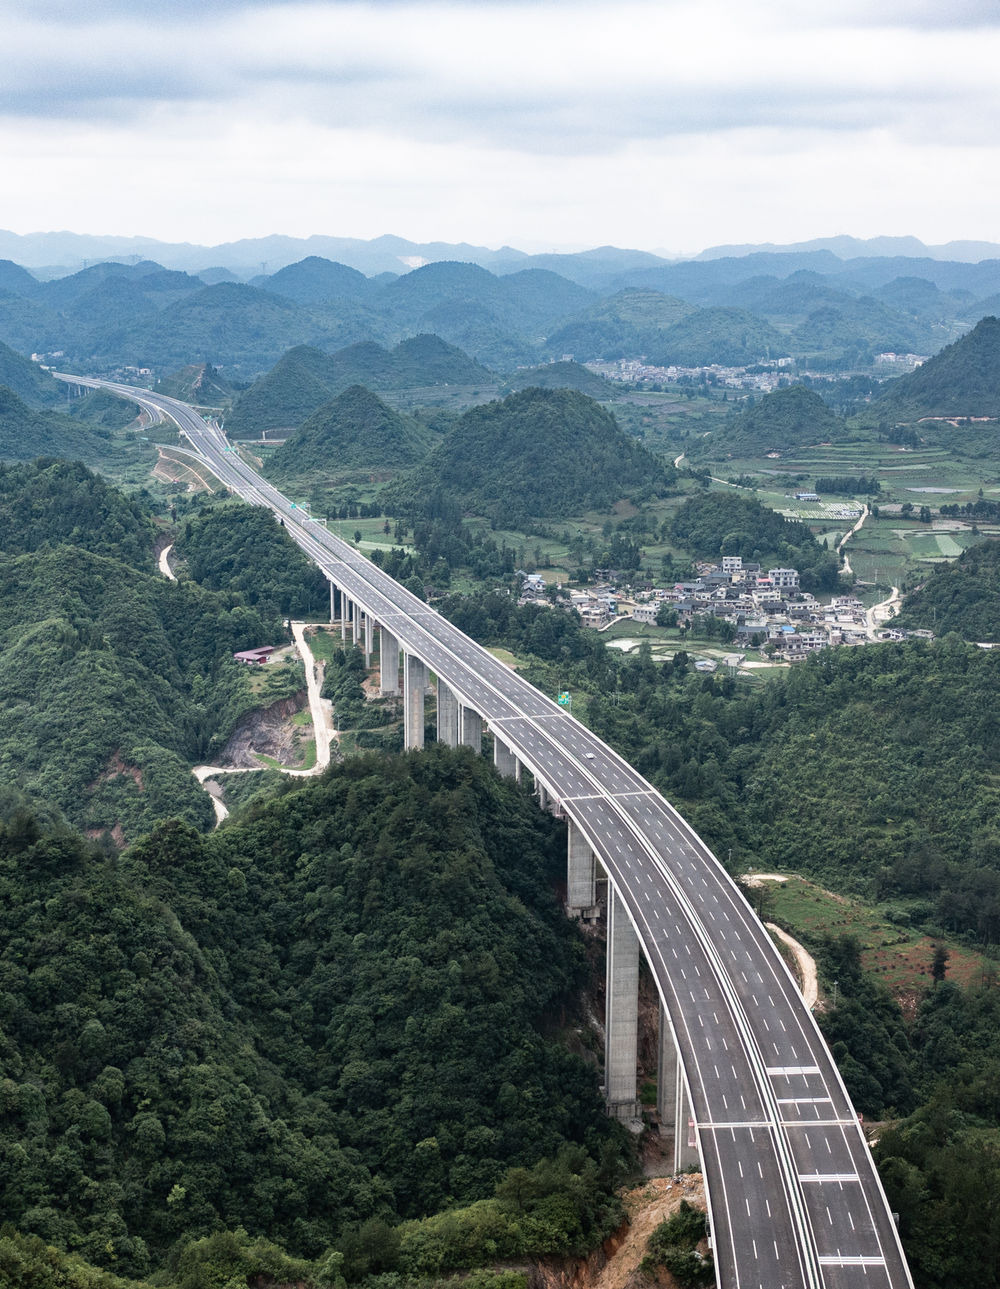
353,431
962,596
27,379
112,682
713,524
962,380
325,1014
48,502
536,453
563,375
787,418
627,324
731,337
27,432
232,547
305,378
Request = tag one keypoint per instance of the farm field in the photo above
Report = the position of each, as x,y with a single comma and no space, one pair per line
898,955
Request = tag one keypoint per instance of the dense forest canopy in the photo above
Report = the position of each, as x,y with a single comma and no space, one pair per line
539,452
229,546
112,679
305,378
353,431
29,432
961,596
328,1013
731,337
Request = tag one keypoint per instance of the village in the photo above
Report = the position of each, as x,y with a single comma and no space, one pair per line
762,610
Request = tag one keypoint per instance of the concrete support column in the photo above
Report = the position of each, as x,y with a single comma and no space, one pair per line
685,1134
621,1051
666,1076
503,758
388,650
369,639
345,609
414,682
332,595
580,874
356,622
672,1103
447,715
543,794
471,729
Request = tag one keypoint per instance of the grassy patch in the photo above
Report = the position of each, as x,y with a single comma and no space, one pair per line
899,955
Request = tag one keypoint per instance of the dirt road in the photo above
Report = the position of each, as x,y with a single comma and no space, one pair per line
805,963
847,537
165,568
324,732
879,614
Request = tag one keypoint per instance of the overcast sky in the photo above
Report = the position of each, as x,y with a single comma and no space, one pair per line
543,124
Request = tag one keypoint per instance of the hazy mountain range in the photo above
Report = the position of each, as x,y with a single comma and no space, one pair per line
60,252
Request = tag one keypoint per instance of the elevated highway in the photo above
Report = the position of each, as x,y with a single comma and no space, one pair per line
794,1198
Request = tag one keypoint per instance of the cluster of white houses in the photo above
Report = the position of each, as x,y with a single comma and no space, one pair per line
765,607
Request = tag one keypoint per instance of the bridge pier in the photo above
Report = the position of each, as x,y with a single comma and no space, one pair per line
581,875
345,609
369,639
414,683
671,1098
356,621
470,730
621,1025
333,593
388,654
447,715
505,759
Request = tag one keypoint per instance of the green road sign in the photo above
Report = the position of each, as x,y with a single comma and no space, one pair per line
565,700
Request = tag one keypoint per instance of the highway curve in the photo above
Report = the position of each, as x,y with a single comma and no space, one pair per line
794,1198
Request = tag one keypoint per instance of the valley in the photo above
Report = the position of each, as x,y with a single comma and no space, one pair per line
865,775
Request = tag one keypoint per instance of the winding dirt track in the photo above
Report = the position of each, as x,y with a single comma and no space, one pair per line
320,709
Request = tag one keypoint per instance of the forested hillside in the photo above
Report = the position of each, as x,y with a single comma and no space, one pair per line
713,524
112,679
305,378
961,380
536,453
233,547
962,596
29,432
328,1014
787,418
354,431
731,337
28,380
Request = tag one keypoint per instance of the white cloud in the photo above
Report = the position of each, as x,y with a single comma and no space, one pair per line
582,121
